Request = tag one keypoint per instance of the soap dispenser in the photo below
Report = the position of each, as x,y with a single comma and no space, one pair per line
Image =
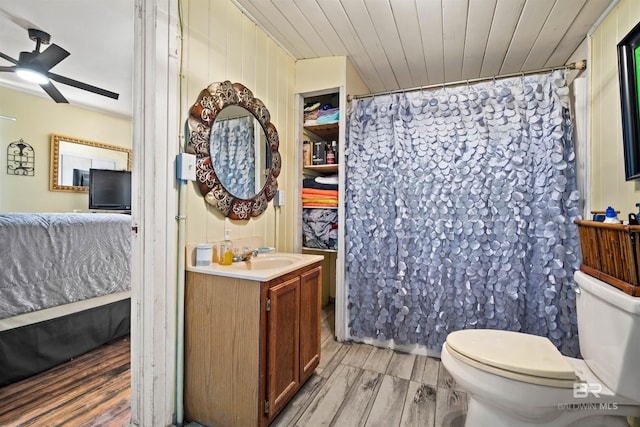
226,249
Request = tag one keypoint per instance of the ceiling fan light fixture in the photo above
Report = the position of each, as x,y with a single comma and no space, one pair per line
31,75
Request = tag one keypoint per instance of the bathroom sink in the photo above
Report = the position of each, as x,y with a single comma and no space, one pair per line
267,262
262,268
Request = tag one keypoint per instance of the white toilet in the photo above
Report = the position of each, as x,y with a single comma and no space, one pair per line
515,379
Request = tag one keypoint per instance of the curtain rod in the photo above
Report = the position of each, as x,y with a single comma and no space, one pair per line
578,65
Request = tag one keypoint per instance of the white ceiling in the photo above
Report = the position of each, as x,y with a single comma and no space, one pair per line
399,44
99,36
392,43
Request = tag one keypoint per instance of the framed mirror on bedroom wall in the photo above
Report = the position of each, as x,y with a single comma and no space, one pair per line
71,158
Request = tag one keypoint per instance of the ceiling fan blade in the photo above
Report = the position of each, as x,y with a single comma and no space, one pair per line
83,86
54,93
7,69
50,57
8,58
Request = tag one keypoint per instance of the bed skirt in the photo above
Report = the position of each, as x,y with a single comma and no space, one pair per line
31,348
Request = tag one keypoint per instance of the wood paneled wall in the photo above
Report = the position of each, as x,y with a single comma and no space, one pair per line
606,166
221,43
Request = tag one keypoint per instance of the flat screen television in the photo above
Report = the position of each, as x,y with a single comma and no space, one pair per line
109,189
629,75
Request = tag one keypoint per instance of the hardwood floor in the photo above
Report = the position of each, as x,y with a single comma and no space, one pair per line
93,389
354,385
361,385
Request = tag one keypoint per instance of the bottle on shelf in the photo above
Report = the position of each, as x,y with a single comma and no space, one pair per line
319,153
334,148
331,154
611,217
306,153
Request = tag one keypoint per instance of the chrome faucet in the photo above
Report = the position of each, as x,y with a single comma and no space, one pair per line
245,255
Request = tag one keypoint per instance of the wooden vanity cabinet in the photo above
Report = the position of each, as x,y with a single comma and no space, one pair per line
310,300
249,345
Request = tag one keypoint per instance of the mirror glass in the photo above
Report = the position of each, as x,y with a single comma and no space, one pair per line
239,152
236,148
71,159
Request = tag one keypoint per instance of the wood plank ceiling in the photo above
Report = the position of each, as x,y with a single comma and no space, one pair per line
399,44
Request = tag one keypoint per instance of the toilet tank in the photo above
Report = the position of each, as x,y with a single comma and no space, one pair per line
609,332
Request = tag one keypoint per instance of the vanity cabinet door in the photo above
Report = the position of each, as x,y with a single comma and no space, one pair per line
283,341
310,314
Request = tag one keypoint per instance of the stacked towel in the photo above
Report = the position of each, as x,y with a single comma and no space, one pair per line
316,197
320,191
321,183
329,118
316,114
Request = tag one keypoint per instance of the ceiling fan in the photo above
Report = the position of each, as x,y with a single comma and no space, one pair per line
34,66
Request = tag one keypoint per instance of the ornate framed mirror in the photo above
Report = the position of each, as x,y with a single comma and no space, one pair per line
71,159
236,148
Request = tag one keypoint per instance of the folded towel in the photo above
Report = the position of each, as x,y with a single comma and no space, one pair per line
312,107
311,183
311,116
317,192
327,111
329,118
316,204
318,200
331,179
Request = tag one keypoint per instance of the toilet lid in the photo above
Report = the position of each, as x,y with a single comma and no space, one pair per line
524,354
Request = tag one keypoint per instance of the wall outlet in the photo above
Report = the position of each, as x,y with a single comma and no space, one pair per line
186,167
278,199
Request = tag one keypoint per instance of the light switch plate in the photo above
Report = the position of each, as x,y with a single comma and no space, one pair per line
186,167
278,199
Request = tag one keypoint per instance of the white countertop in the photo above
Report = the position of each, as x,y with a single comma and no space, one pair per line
258,268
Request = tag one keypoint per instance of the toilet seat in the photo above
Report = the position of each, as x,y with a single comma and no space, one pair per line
522,357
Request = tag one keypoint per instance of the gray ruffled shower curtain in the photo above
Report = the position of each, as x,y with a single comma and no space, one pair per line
460,205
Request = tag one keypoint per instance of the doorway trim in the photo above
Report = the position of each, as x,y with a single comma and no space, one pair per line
154,206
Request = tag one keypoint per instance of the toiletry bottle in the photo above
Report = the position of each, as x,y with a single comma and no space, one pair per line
334,148
306,153
215,254
226,250
331,155
611,217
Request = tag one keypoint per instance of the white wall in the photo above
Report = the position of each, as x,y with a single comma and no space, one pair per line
36,119
607,184
355,85
220,43
320,73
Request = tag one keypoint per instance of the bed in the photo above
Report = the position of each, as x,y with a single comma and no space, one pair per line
65,282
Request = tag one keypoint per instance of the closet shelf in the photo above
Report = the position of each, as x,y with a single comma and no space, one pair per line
322,168
304,248
325,131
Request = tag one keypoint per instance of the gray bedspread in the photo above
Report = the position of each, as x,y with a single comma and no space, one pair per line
51,259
